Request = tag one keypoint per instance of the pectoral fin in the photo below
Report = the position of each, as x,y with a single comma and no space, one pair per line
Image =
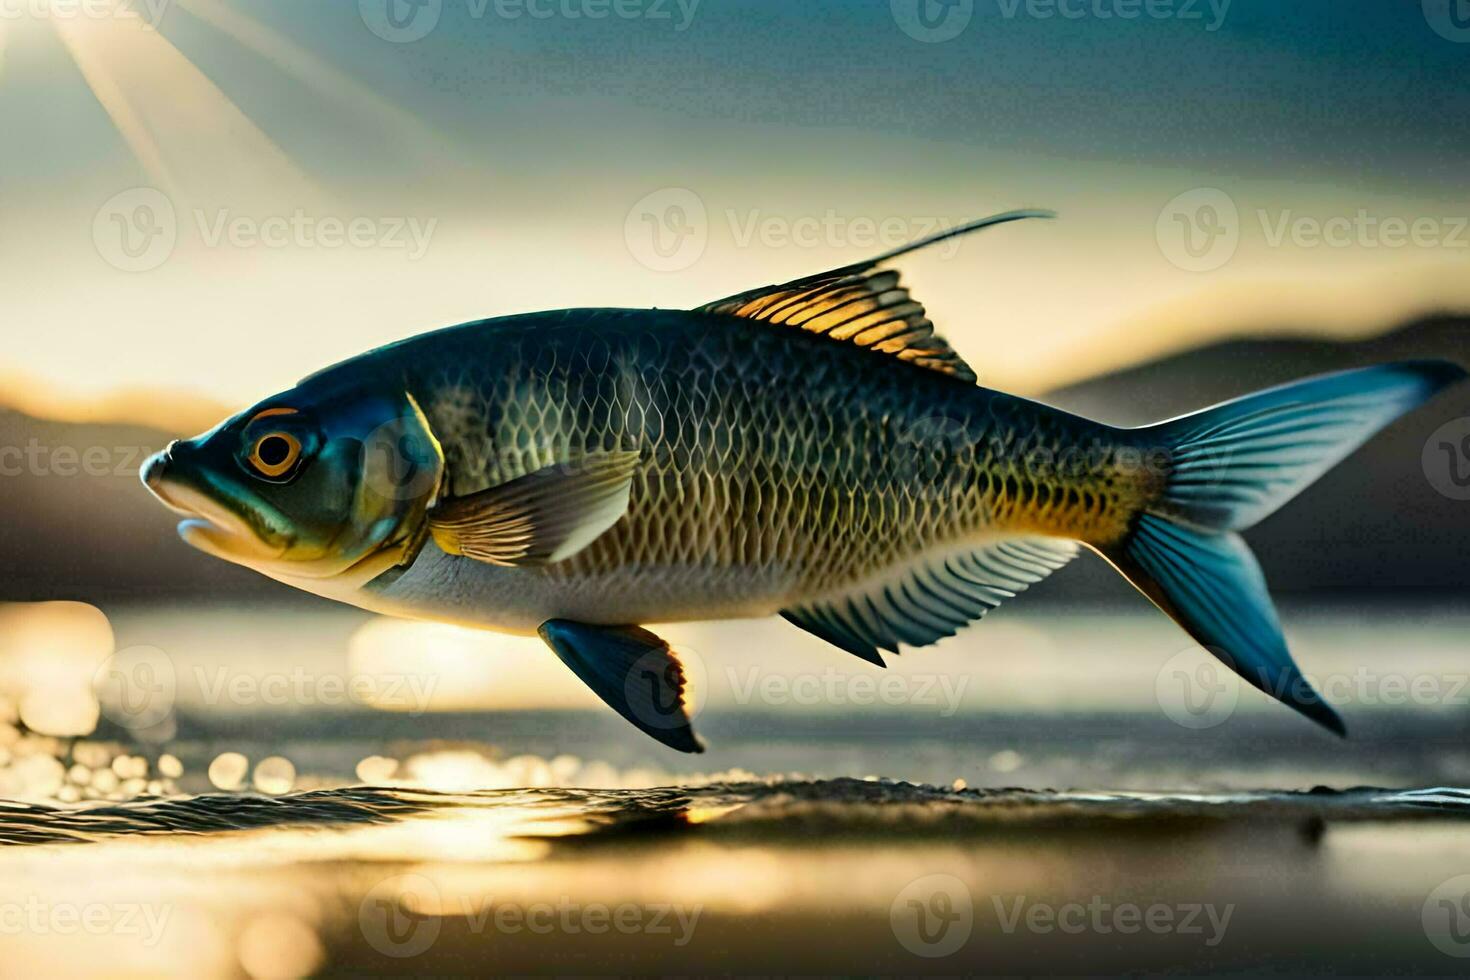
543,517
631,669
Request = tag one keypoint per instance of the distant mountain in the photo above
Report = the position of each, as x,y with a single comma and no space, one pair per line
1373,525
77,524
165,409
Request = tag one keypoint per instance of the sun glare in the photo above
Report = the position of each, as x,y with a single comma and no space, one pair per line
188,135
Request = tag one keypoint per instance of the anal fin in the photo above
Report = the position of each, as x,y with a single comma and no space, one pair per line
925,603
631,669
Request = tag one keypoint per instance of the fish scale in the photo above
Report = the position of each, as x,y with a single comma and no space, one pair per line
763,449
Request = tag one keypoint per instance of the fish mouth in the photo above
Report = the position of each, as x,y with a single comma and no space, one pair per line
209,525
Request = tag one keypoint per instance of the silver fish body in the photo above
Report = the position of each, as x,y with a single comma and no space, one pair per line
776,466
812,448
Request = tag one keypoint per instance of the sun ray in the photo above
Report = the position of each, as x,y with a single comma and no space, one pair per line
306,67
187,134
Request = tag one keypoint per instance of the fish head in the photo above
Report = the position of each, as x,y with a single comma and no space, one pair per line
318,482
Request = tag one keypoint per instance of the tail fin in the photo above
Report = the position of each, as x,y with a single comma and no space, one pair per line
1230,467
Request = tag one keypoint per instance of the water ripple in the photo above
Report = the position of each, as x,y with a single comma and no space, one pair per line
793,804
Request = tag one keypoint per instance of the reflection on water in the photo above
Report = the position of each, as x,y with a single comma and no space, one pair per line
373,879
239,793
790,807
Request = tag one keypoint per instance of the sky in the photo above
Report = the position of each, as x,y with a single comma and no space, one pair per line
218,197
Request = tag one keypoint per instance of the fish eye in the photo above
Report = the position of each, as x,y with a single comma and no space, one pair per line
274,453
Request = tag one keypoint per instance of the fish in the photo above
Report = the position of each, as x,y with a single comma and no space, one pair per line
813,449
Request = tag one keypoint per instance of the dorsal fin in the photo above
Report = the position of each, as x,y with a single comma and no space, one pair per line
865,304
